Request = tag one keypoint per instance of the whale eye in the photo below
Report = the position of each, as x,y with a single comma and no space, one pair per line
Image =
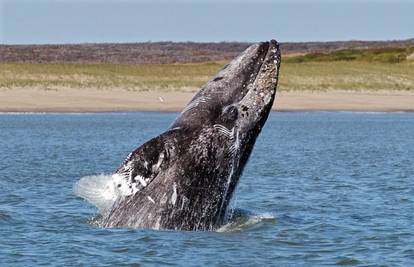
230,113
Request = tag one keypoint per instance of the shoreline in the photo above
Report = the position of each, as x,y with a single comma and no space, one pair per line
166,112
70,100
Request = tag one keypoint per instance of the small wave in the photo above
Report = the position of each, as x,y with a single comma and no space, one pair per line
4,217
97,221
348,261
240,220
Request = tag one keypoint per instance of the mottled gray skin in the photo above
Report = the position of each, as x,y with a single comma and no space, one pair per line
192,169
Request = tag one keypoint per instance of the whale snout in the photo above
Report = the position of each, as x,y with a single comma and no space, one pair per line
257,101
253,73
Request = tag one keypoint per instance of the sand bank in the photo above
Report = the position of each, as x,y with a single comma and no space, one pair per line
94,100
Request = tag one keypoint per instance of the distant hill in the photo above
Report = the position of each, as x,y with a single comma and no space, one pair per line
383,55
169,52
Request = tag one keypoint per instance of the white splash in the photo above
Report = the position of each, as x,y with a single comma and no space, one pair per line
102,190
242,221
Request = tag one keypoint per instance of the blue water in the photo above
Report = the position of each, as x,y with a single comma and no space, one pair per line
320,189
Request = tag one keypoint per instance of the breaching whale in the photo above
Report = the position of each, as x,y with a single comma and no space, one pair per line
184,178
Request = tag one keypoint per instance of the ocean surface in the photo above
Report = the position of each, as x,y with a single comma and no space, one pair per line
321,188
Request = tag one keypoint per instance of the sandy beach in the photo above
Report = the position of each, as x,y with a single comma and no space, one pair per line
94,100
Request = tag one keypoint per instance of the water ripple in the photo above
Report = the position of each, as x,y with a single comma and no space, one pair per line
320,189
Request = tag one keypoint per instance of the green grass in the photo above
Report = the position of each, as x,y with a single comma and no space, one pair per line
367,70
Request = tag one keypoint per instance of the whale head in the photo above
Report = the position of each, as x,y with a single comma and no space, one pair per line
240,95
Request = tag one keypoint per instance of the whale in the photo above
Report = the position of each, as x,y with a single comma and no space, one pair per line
184,178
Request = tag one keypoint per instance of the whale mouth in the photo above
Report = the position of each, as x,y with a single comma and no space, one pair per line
253,72
258,98
242,71
262,64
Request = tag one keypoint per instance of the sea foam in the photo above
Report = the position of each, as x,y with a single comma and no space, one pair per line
240,220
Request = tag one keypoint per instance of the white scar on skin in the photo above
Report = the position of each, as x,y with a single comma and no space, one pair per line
164,199
175,128
141,180
160,160
183,202
150,199
174,194
195,103
267,99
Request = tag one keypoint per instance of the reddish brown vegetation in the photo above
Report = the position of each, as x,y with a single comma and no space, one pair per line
165,52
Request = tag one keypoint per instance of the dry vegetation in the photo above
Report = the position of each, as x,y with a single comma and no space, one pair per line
339,75
140,77
347,76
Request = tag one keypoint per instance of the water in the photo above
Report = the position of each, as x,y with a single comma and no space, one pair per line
320,189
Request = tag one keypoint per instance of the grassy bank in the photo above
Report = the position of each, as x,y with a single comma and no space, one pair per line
347,76
341,70
181,77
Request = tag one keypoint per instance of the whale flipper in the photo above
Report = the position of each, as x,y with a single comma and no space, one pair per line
147,161
135,173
